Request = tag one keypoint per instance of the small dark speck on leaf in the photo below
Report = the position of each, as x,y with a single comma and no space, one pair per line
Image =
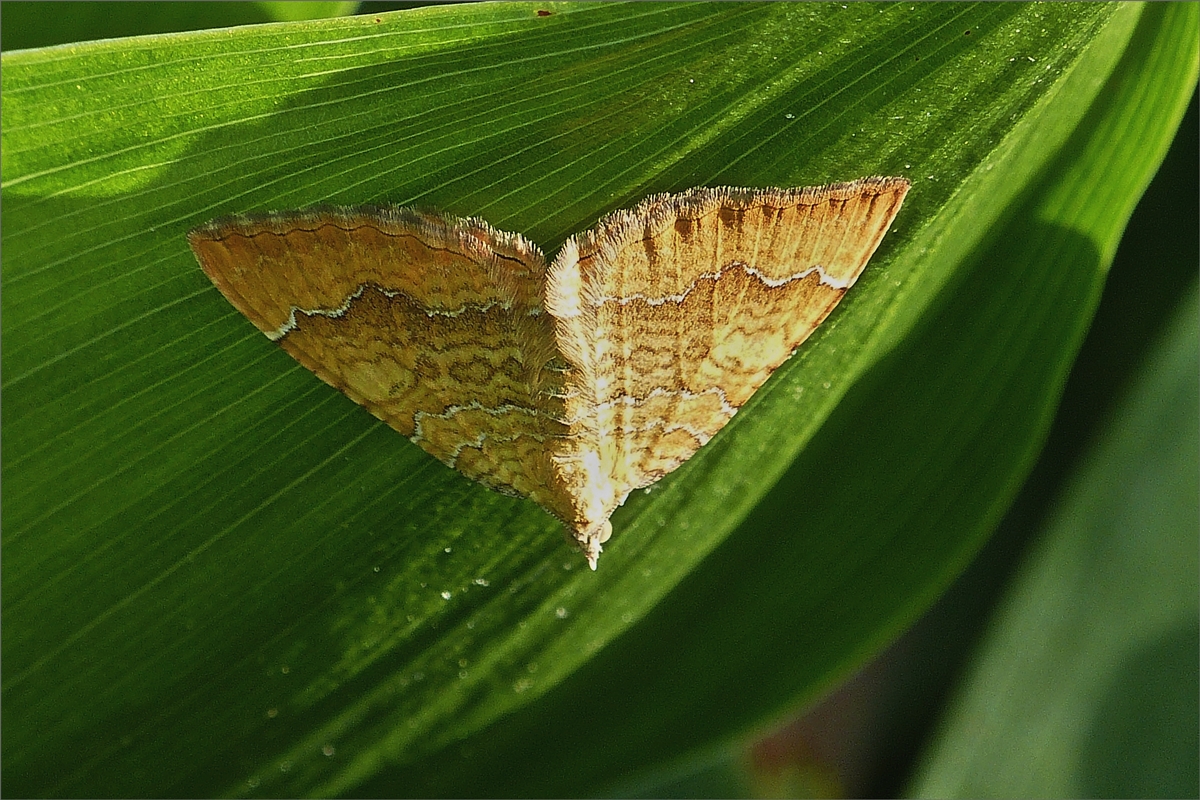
543,12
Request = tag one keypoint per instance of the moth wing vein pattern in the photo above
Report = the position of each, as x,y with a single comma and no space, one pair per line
572,382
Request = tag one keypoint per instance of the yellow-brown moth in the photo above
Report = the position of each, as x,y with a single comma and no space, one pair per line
571,382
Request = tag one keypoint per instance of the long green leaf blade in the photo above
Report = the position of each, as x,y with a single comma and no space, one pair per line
250,583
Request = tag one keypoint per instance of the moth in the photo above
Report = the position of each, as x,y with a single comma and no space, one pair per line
574,381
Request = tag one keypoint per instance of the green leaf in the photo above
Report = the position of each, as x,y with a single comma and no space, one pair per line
1086,686
221,576
38,24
